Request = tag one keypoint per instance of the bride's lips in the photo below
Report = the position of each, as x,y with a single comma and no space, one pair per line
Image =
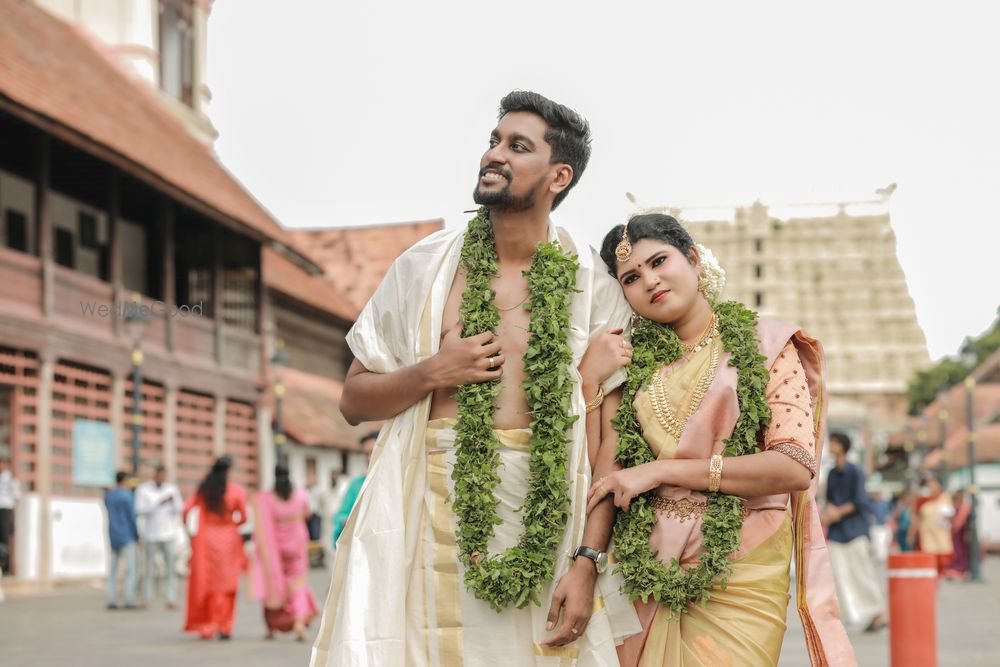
659,296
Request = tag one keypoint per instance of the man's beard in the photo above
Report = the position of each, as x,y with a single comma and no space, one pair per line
503,200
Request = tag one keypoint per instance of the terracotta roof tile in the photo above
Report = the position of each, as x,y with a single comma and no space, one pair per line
311,412
355,259
283,276
62,74
987,448
986,404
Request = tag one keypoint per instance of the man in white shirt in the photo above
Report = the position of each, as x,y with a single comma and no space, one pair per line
159,503
10,493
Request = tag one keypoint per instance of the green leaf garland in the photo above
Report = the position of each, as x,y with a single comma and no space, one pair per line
515,576
656,345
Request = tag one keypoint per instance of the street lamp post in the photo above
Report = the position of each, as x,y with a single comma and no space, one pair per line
975,572
279,361
136,319
943,461
943,419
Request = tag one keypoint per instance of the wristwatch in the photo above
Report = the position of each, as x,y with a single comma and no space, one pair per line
600,558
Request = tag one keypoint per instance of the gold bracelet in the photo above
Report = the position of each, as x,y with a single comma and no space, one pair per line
596,403
715,473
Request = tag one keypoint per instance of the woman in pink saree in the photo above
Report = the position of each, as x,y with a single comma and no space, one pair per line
281,560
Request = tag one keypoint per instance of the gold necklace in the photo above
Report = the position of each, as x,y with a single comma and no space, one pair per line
504,310
704,338
664,410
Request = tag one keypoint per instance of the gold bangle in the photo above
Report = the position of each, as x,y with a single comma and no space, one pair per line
596,403
715,473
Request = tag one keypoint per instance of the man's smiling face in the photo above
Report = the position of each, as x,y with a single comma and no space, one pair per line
516,167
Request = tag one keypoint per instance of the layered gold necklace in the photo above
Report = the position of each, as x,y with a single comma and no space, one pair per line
670,418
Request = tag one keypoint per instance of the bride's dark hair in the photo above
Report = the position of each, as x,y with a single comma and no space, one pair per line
656,226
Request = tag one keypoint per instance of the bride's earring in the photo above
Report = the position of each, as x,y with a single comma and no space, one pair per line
703,285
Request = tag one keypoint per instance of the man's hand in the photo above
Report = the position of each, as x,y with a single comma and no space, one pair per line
607,352
830,515
574,599
465,360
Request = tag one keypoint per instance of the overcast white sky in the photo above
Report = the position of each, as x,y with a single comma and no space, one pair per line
352,113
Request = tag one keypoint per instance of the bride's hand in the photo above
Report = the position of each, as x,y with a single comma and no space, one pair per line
625,485
607,352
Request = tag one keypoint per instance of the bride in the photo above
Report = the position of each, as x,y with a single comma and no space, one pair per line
716,430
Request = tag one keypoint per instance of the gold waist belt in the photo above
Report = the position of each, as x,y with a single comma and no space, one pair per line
684,509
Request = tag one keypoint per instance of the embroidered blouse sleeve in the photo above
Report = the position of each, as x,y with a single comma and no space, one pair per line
791,429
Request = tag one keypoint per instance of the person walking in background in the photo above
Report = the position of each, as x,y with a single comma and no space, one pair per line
858,588
904,521
958,569
217,555
881,532
159,503
124,536
367,443
10,493
281,558
933,523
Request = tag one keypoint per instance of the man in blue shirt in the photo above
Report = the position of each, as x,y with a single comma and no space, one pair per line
124,534
859,590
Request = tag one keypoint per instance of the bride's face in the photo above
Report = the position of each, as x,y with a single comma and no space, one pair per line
659,282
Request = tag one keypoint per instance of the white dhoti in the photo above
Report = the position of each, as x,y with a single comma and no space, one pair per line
859,588
452,627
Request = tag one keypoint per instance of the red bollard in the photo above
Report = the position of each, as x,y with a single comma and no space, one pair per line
913,581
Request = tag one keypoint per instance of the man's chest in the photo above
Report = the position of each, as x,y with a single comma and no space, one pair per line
511,299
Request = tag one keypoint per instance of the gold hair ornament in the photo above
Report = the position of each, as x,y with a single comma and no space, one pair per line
624,248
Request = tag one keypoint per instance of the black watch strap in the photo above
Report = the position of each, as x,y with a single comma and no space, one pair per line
587,552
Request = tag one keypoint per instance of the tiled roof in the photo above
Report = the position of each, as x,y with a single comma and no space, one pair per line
989,370
986,404
283,276
61,78
957,448
311,412
356,259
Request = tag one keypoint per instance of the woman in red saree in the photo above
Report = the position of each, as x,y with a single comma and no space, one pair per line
281,558
217,556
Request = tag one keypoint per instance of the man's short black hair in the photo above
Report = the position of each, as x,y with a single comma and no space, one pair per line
842,438
120,476
568,133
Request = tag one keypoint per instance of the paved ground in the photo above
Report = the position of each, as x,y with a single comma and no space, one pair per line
968,628
71,627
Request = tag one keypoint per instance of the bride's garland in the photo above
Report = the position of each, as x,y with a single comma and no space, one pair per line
516,575
645,575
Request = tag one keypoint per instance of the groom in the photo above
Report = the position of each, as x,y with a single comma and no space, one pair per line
409,585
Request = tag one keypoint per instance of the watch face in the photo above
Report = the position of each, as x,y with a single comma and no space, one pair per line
602,563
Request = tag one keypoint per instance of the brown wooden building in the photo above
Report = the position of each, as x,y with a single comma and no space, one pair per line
104,195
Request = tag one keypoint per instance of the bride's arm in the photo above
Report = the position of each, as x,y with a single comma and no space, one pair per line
786,465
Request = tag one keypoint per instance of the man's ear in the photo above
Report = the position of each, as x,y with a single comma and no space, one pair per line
564,176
